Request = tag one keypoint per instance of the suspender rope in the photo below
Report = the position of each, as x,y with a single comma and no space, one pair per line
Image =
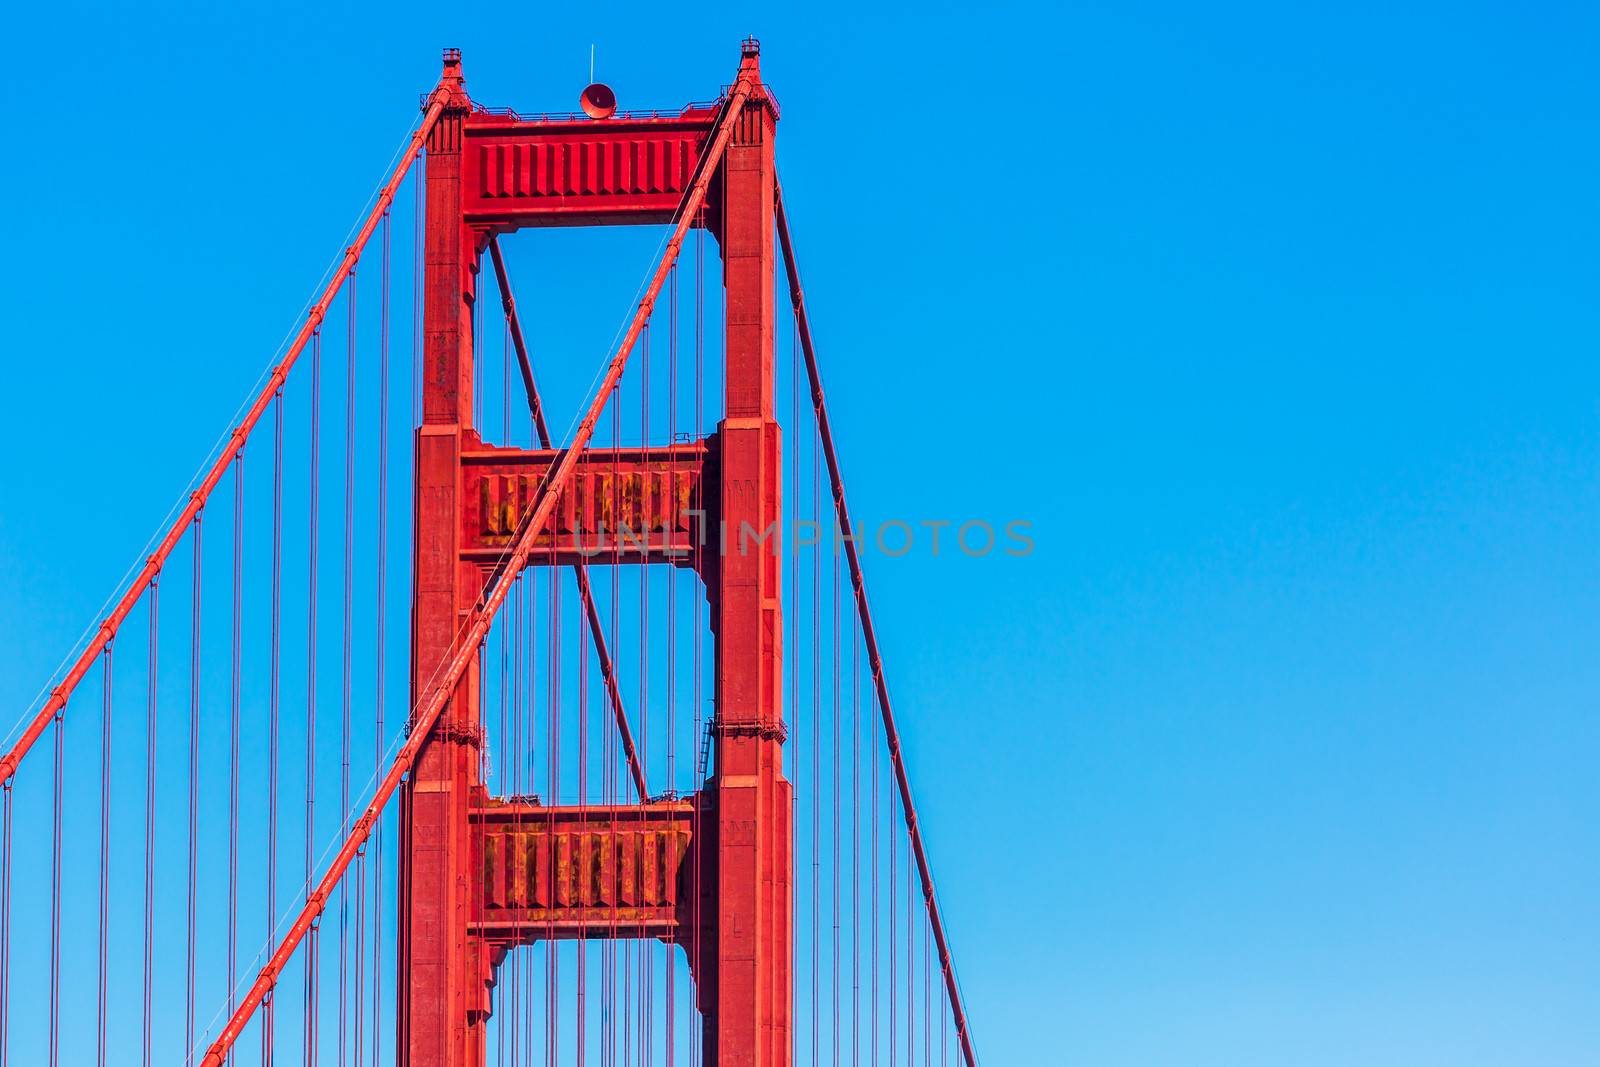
869,635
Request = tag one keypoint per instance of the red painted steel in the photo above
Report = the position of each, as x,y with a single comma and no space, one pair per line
590,871
868,632
474,628
502,174
471,501
443,978
580,173
639,505
746,970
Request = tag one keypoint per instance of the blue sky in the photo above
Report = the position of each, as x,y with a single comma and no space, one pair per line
1278,325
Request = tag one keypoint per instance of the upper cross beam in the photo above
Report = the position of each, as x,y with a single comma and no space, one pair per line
579,172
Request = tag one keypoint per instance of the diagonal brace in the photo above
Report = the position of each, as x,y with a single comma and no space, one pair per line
536,410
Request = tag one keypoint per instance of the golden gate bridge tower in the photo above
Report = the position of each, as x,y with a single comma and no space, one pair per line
479,838
478,874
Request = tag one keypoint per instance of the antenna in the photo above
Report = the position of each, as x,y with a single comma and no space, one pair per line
597,100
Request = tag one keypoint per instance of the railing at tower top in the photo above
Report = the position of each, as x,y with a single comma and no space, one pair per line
195,803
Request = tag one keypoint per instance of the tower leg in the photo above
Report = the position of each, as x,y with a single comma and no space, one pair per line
443,974
753,996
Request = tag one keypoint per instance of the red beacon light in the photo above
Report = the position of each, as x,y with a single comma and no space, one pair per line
598,101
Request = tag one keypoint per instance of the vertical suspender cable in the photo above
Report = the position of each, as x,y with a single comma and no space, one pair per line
344,681
268,1043
105,851
927,1002
699,540
644,668
55,895
357,956
532,988
608,1003
514,762
855,844
872,926
310,1049
644,571
505,359
5,928
194,795
608,944
833,543
552,1019
378,687
233,725
816,756
585,609
794,582
580,977
530,725
619,998
501,1007
504,737
149,824
381,740
670,1007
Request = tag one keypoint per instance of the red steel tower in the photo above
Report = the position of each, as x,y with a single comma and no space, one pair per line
481,874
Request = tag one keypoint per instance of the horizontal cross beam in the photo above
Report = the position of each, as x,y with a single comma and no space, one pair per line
626,505
581,871
565,172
